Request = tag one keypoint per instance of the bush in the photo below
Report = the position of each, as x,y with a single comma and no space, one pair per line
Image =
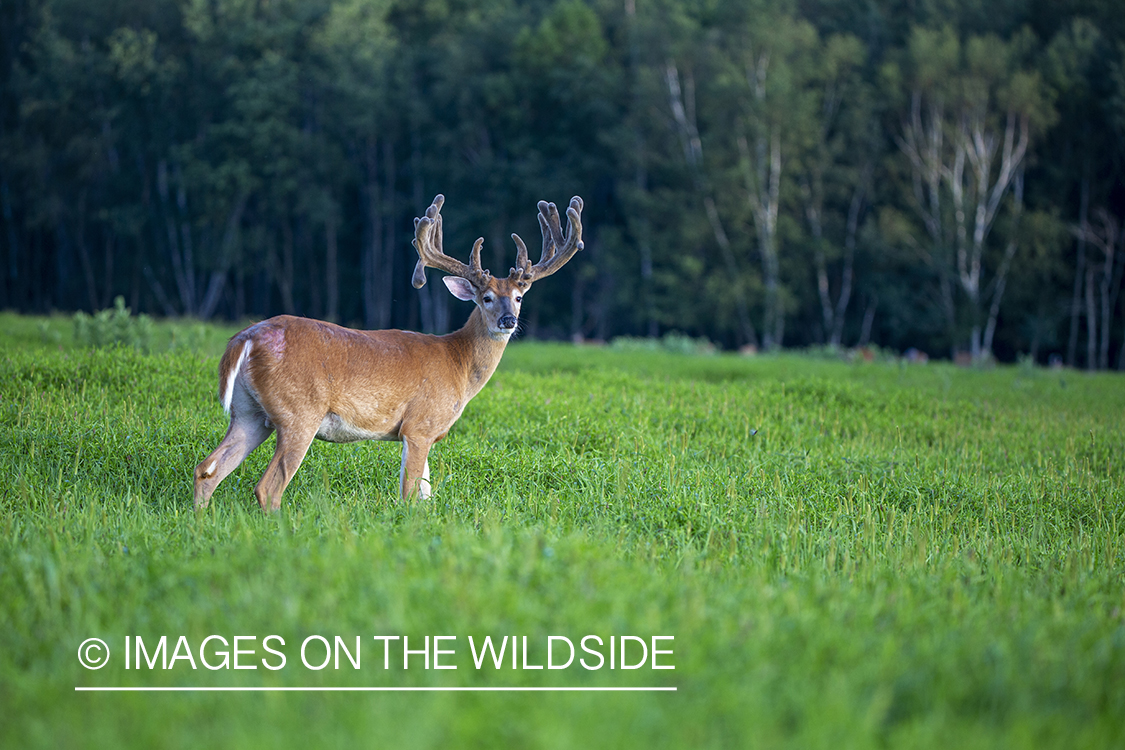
673,341
113,327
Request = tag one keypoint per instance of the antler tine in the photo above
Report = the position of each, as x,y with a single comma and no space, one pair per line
476,273
520,273
428,242
557,248
549,242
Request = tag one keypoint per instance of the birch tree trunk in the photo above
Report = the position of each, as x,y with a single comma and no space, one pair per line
683,113
923,142
182,272
1079,267
832,313
1107,279
228,247
977,145
1091,320
762,173
1107,287
859,198
1005,265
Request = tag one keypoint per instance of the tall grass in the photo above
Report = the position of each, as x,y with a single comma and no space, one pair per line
847,555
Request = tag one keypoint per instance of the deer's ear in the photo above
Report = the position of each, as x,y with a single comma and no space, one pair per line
460,288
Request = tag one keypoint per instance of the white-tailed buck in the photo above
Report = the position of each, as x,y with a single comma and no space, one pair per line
308,379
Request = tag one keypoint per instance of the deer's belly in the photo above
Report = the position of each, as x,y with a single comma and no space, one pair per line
335,429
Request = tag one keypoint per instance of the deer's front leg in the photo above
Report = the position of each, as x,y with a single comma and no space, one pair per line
414,476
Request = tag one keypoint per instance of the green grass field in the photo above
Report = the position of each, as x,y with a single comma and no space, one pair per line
900,556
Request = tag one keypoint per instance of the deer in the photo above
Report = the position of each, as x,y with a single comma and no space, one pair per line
306,379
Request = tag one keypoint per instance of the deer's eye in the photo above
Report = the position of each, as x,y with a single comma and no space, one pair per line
488,298
519,298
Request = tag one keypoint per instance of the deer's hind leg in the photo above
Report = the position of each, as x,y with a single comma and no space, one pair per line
247,431
292,444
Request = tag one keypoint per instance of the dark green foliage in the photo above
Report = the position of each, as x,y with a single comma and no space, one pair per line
746,166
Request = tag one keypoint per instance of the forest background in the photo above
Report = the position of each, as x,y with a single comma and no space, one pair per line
937,174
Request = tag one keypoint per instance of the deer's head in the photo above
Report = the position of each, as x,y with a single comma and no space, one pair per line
499,300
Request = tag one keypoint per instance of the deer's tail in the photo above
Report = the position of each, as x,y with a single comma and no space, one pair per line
234,359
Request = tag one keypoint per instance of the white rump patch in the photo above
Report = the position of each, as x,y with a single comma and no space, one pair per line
228,391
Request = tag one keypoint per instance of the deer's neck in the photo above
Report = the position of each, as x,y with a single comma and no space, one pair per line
479,352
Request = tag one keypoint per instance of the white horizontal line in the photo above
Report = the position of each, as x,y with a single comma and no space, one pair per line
507,689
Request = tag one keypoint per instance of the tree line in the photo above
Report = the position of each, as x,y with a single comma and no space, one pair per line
937,174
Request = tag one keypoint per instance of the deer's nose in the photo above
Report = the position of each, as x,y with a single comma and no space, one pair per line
506,322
